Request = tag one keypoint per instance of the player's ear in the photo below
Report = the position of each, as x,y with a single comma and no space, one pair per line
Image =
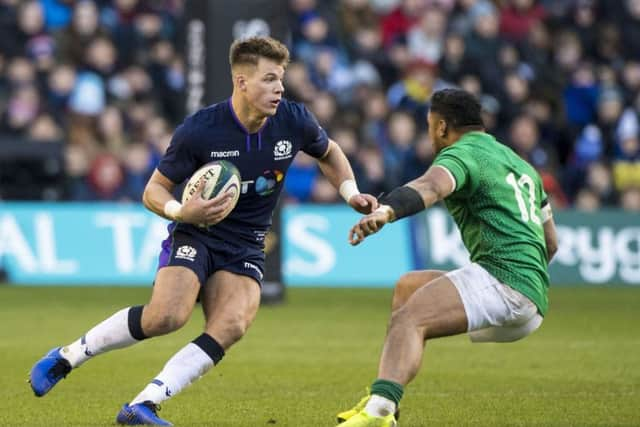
442,128
241,81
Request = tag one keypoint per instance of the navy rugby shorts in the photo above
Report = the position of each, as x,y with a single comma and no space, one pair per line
204,256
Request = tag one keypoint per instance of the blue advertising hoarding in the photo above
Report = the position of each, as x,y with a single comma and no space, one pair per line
79,244
119,244
317,252
593,248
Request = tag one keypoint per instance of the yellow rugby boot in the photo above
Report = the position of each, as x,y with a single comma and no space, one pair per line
345,415
362,419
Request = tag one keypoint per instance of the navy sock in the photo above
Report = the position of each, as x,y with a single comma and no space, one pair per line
209,345
135,323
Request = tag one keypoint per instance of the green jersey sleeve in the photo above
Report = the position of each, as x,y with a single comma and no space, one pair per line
461,165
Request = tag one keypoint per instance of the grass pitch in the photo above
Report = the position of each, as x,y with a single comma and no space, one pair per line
305,360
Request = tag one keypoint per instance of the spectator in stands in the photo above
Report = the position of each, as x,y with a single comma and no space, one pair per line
412,93
587,200
60,83
559,79
57,13
45,129
400,138
324,107
105,180
455,62
371,164
483,44
583,20
356,14
375,114
518,17
110,130
72,41
417,159
397,23
323,191
524,138
157,135
630,199
626,165
22,109
581,96
138,167
20,72
425,39
300,179
600,180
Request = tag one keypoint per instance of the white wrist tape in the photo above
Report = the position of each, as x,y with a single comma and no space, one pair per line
172,209
386,210
348,189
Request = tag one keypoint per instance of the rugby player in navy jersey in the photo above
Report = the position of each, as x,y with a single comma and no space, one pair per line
221,264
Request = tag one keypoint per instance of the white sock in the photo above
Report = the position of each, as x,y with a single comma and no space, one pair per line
110,334
186,366
379,406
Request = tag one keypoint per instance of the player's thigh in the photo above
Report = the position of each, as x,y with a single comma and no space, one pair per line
174,295
436,309
410,282
490,303
230,302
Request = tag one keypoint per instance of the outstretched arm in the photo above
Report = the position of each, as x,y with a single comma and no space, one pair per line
413,197
335,166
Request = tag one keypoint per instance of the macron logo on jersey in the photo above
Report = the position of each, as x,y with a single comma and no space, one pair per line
225,154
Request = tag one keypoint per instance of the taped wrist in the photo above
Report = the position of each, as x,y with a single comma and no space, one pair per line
405,201
172,209
348,189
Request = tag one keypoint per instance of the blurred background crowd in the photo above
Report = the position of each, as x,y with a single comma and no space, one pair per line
558,80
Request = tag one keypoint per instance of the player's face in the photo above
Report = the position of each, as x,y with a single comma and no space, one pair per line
265,87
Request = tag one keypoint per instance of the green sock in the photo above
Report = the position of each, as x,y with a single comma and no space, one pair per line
387,389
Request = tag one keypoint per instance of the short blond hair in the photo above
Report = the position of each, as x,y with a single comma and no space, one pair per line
249,51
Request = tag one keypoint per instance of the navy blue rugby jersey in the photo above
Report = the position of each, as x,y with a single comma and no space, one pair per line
215,133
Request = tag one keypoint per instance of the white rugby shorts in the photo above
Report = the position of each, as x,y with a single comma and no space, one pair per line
495,311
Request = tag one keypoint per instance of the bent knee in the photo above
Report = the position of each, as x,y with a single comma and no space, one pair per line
228,331
409,321
402,290
402,318
405,286
406,280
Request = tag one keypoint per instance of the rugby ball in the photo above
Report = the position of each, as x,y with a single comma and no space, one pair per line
219,176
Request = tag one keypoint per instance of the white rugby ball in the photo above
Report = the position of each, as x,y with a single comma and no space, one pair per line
220,176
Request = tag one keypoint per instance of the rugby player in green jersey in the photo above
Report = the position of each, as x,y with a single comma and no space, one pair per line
498,203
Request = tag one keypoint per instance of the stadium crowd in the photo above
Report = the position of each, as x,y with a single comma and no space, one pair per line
558,80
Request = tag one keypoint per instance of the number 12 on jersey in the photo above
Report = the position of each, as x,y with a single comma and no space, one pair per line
525,182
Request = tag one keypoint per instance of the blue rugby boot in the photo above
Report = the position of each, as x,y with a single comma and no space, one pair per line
145,413
48,371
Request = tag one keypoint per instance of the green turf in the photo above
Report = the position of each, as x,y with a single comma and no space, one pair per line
303,361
